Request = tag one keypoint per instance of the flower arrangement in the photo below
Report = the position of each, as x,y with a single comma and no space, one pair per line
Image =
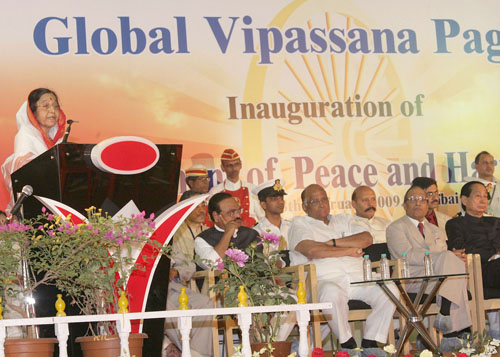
15,244
90,262
258,270
478,344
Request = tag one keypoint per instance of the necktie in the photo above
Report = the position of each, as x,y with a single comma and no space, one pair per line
432,218
421,229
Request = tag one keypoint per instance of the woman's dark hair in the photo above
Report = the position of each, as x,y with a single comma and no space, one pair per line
35,96
213,204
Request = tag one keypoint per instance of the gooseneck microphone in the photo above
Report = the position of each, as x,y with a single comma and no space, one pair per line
25,192
68,129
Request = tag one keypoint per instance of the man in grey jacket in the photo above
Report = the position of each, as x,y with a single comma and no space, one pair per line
413,234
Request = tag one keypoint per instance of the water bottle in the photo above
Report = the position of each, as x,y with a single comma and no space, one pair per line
384,267
427,264
406,266
367,268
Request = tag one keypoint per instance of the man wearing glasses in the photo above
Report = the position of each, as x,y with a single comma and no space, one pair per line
211,244
335,245
429,185
414,235
197,178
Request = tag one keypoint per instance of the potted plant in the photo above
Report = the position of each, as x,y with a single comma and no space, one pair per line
258,270
17,284
96,257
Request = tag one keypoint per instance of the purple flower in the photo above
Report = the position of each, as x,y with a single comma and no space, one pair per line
271,238
220,264
238,256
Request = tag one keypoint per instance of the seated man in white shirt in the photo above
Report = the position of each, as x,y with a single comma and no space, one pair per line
364,203
211,244
335,245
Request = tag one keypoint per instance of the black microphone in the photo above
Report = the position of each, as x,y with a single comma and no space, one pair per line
66,134
25,192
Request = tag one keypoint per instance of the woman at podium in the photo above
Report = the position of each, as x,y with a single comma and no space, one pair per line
40,124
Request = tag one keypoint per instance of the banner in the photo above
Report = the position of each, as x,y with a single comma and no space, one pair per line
336,93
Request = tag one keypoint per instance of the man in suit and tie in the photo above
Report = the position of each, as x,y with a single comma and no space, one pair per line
414,235
429,185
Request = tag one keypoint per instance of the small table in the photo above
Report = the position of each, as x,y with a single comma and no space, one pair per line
411,312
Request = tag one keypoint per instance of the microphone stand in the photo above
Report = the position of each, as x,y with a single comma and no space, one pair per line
68,130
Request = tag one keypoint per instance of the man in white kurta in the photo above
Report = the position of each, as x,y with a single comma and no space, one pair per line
335,245
364,203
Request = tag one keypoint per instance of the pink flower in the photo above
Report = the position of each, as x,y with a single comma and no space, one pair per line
220,264
318,352
238,256
44,209
271,238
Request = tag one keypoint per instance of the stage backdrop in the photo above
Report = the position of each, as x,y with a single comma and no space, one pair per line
339,93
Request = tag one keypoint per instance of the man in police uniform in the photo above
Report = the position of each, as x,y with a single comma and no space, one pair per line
271,197
231,165
197,178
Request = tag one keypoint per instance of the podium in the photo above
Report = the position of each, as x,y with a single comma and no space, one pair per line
66,173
